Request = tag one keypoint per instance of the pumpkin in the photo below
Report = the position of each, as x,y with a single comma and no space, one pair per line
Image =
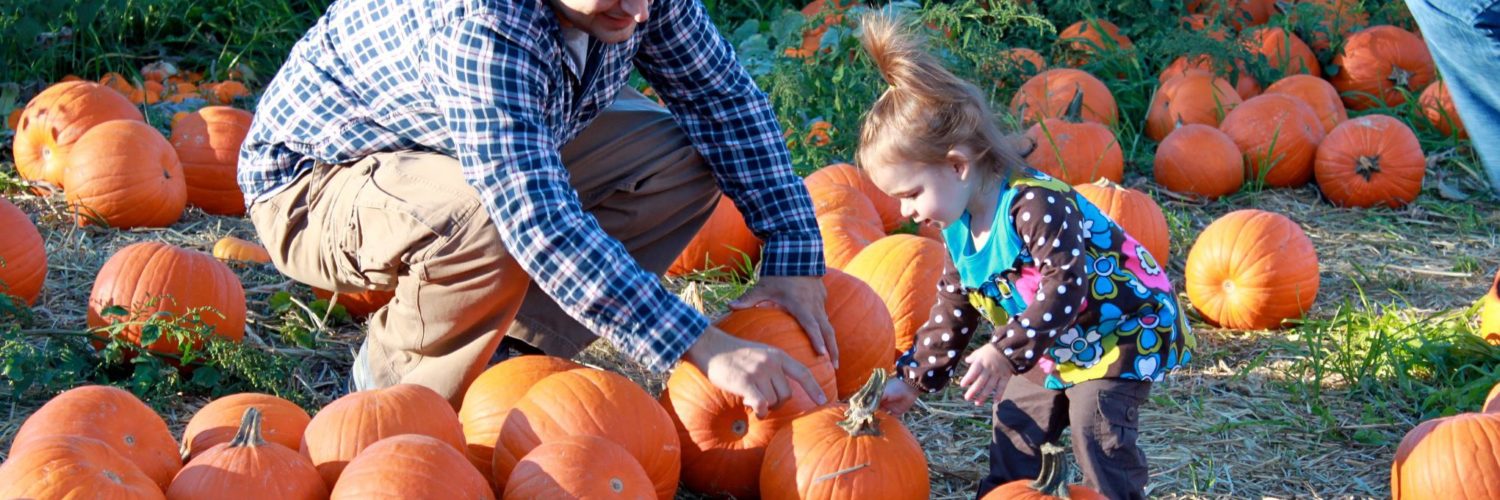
1050,93
1404,449
1018,62
1371,160
278,421
23,255
411,466
1279,136
848,175
54,120
358,304
1333,16
1377,61
853,450
67,466
598,403
249,467
1282,49
159,71
350,424
1075,151
151,277
230,249
828,198
1457,457
844,236
865,334
1051,483
1437,106
13,119
579,467
1134,211
1490,400
112,416
813,37
1318,94
1252,269
1244,83
904,270
492,395
724,241
1199,160
1489,316
208,144
1090,35
123,86
1197,97
1246,12
123,173
777,328
225,92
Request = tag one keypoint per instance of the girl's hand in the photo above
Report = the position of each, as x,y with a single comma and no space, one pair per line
987,375
898,397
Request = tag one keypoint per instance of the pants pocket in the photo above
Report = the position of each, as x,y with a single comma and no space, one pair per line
1119,421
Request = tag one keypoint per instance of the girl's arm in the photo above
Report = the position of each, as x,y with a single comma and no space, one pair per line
1051,229
940,342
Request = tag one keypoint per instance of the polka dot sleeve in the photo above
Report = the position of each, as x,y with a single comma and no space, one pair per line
940,342
1051,230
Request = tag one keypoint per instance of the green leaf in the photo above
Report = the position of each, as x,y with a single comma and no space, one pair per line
114,310
208,377
279,302
150,333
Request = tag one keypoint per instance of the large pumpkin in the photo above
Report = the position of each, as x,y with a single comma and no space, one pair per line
1135,212
1199,160
249,467
23,255
492,395
1245,84
866,335
844,236
1371,160
1489,315
279,421
1195,97
1076,151
853,450
1456,457
1377,61
777,328
151,276
208,144
1049,93
1318,94
579,467
724,241
68,466
56,118
1051,483
350,424
113,416
1437,106
848,175
1282,49
830,199
125,174
904,270
1279,135
411,466
1252,269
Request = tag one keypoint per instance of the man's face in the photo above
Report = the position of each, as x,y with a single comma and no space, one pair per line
610,21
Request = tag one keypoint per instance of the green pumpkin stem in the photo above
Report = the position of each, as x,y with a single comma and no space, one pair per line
1053,480
249,431
860,419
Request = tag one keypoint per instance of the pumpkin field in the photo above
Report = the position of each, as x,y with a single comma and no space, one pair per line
1296,168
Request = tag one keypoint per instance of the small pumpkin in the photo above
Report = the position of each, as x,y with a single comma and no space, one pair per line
279,421
208,145
904,270
866,335
54,120
111,415
123,86
1089,36
360,305
1200,160
1318,94
724,241
70,466
1377,61
23,255
1050,93
411,466
1134,211
1371,160
225,92
1437,106
1195,97
151,277
1076,151
579,467
1252,269
231,249
349,425
1050,484
492,395
1279,136
1282,49
249,467
123,173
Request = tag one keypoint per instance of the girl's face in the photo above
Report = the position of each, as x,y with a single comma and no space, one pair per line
930,193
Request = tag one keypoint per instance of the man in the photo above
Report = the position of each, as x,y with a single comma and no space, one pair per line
458,152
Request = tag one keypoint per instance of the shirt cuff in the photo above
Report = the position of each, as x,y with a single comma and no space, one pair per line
794,254
660,341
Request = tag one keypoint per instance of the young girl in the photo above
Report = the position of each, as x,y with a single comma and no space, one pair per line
1081,311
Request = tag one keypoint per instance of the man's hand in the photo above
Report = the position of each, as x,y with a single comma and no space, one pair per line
803,297
756,372
899,396
988,373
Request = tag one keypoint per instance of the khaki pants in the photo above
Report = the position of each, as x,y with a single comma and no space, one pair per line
409,222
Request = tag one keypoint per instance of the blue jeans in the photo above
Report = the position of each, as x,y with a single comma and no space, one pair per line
1464,37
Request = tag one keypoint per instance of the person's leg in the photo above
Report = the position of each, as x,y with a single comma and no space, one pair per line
635,172
1105,417
1026,416
1464,38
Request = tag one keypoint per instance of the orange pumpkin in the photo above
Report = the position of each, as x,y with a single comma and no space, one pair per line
67,466
54,120
492,395
1020,62
359,304
1282,49
1245,13
349,425
848,175
1318,94
1489,315
777,328
112,416
159,71
279,421
904,270
579,467
249,467
1196,97
226,92
23,255
1092,35
1074,151
1403,453
125,174
1437,106
846,451
411,466
1279,135
1377,61
844,236
1134,211
1051,483
1050,93
828,198
813,37
208,144
230,248
1199,160
1244,83
123,86
1371,160
1252,269
152,277
1333,16
724,241
1463,446
866,335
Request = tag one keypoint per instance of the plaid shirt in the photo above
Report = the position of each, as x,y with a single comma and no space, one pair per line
490,83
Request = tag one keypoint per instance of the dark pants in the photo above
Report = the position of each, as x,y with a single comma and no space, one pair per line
1104,415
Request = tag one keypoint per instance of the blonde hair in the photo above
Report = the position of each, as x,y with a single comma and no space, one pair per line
927,111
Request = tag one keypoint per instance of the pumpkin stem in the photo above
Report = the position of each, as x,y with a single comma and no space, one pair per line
249,431
1053,480
1367,166
859,419
1075,107
1401,77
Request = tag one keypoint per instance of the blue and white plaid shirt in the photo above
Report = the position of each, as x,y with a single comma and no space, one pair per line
486,81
